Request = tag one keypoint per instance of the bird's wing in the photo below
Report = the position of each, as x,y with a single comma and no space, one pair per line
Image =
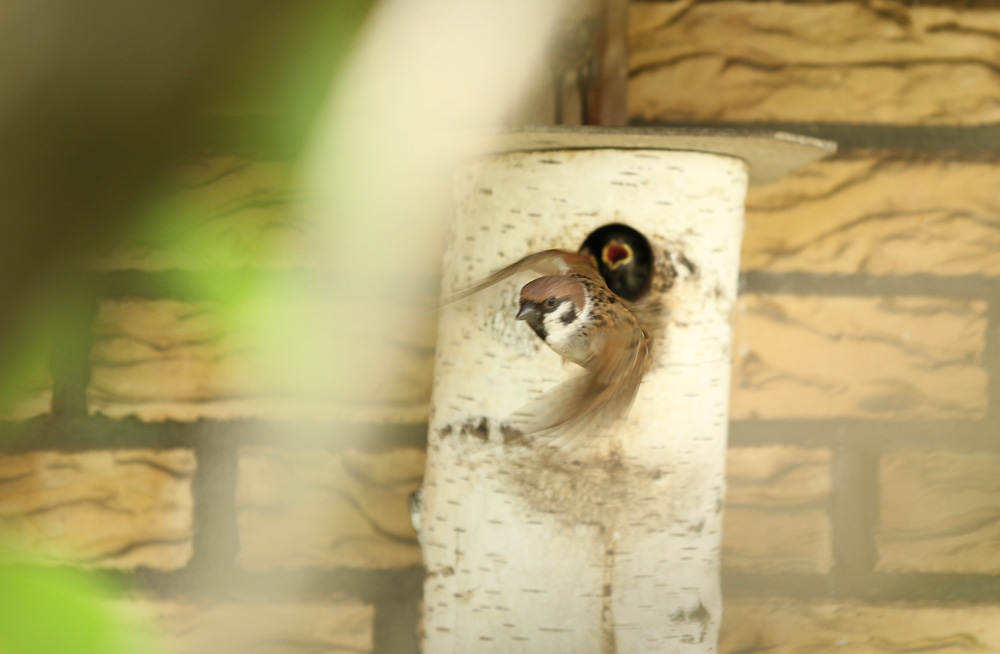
619,350
547,262
589,404
576,411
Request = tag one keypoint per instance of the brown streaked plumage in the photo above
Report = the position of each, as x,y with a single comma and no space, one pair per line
571,308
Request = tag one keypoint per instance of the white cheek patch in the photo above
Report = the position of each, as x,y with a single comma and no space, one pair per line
560,326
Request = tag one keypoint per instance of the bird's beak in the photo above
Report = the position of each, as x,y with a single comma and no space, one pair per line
616,253
527,310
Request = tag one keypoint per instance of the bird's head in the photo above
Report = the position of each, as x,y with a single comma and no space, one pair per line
552,304
624,258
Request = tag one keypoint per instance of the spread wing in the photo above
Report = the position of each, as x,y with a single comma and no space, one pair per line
547,262
617,351
591,403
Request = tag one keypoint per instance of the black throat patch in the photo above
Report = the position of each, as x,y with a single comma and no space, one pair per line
536,322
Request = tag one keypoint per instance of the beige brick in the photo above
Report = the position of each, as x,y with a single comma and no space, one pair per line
122,509
776,517
872,358
299,358
797,627
231,213
832,62
337,626
939,512
878,215
300,508
220,212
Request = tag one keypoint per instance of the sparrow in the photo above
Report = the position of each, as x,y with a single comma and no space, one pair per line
623,257
573,311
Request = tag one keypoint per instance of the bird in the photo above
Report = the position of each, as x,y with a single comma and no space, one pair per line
624,258
572,310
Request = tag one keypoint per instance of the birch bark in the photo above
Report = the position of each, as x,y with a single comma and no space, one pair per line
614,546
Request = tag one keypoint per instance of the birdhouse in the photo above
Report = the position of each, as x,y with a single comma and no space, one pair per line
595,540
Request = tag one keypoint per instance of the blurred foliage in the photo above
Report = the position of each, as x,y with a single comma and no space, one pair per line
264,110
216,213
51,326
272,109
62,611
267,108
26,375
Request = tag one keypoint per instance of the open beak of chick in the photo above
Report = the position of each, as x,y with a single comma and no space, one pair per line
616,253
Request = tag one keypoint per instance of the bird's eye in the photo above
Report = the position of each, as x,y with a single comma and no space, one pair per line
550,303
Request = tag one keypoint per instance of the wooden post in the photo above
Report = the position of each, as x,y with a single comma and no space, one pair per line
613,546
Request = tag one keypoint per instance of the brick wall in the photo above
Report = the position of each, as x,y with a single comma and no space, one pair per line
239,508
863,494
863,498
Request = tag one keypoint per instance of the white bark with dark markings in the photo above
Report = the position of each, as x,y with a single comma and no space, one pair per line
608,544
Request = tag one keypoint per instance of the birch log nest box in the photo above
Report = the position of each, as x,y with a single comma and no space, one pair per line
612,545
